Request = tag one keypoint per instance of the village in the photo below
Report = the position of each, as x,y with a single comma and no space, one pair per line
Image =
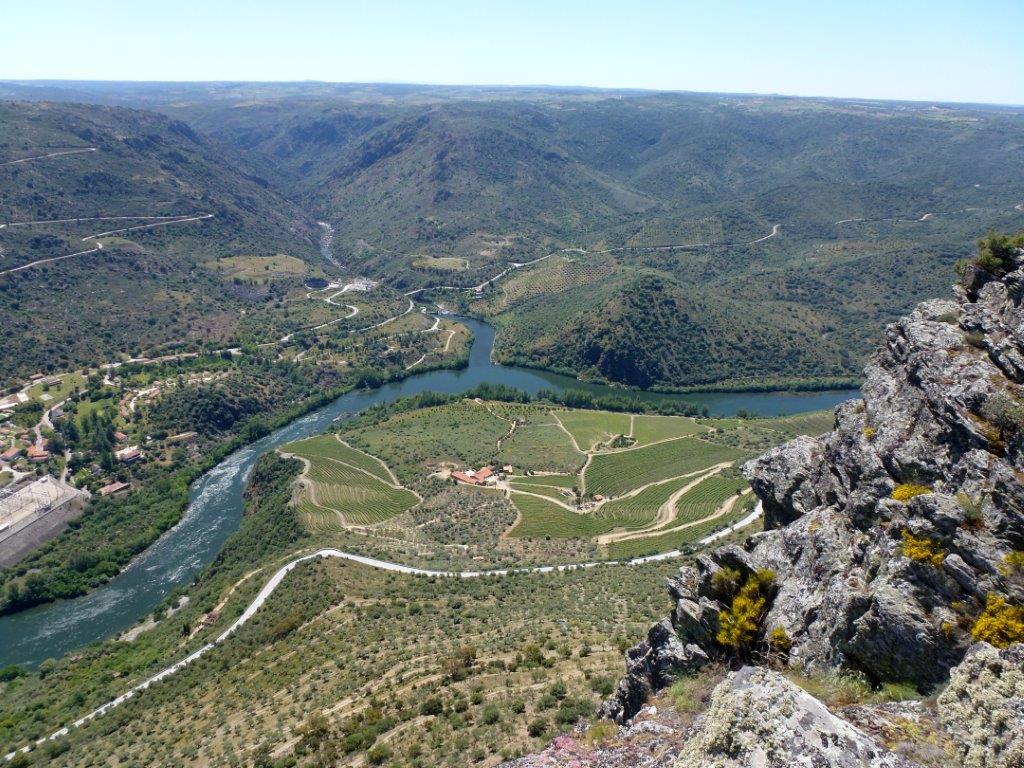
66,439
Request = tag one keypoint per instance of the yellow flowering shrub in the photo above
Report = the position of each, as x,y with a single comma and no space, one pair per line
1000,624
907,491
740,624
921,549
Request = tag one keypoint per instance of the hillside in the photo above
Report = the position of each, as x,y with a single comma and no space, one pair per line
144,201
892,552
813,221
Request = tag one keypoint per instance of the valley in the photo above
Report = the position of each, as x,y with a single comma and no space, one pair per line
363,425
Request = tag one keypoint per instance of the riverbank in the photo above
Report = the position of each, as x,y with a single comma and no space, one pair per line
216,501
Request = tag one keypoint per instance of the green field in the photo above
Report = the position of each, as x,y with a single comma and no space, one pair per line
556,481
612,474
650,429
592,427
552,492
345,493
535,447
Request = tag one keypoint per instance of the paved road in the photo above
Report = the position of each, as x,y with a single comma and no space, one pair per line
275,581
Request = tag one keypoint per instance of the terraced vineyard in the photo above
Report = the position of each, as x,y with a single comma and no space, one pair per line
351,485
613,474
634,512
330,447
542,519
676,539
702,500
342,494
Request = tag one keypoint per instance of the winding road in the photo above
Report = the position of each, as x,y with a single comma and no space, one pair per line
163,221
582,251
275,581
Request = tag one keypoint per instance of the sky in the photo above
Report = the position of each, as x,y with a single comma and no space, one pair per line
942,50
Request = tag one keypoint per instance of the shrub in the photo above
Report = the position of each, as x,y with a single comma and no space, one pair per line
432,706
378,754
921,549
1000,624
537,727
907,491
725,582
1005,413
740,624
869,433
779,640
600,733
974,518
1013,563
995,251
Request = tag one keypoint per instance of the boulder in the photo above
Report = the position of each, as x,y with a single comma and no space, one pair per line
983,707
758,719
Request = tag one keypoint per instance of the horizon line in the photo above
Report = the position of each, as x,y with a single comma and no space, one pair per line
510,86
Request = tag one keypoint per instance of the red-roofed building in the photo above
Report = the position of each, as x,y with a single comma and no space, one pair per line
37,455
11,454
112,488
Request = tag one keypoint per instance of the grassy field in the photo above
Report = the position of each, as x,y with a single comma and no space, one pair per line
612,474
650,429
557,481
441,263
540,447
589,428
259,268
552,492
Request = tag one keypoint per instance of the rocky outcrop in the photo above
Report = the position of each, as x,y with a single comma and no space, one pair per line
758,718
886,535
983,707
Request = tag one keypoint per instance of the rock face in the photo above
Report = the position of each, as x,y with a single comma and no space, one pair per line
887,534
758,718
983,707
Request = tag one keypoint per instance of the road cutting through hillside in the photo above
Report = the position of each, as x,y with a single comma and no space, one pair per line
52,154
163,222
274,582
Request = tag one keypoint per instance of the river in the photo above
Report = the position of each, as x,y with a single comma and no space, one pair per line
215,507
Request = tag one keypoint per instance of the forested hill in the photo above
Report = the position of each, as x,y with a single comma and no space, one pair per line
163,200
784,233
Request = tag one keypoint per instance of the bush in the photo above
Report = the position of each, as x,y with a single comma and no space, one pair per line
906,491
1000,624
779,640
740,624
995,251
921,549
537,727
432,706
378,754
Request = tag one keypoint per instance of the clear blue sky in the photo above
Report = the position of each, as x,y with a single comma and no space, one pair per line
937,50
